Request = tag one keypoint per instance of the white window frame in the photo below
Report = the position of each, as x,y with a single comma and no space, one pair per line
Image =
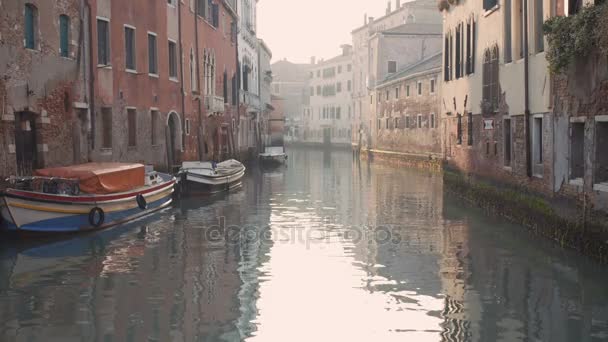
150,33
173,78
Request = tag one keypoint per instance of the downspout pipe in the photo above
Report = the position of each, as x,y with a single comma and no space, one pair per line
181,67
528,127
198,77
236,147
91,82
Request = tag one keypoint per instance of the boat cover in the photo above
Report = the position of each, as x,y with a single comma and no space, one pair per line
100,178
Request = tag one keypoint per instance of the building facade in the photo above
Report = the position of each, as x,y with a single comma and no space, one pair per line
364,55
408,112
327,119
44,103
265,84
290,82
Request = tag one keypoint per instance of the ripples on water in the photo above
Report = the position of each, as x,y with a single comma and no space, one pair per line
327,249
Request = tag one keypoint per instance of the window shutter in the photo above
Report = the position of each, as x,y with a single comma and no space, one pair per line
63,35
29,27
216,14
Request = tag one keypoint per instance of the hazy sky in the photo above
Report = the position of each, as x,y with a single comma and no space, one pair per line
297,30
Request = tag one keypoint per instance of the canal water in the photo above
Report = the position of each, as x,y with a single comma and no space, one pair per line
328,248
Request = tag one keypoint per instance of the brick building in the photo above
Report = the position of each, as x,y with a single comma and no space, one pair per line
43,99
408,111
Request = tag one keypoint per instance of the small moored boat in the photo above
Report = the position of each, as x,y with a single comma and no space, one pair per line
210,178
273,155
83,197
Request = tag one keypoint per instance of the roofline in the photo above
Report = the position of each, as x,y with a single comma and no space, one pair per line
401,79
265,47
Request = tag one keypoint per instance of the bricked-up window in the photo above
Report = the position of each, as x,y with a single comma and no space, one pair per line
154,127
152,54
64,36
132,126
172,60
470,128
130,48
490,93
459,130
31,27
392,67
103,42
106,128
507,141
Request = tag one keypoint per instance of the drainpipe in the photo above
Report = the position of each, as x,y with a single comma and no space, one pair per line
527,94
235,146
91,81
198,74
181,67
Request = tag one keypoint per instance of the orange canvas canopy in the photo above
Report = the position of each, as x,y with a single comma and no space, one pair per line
100,178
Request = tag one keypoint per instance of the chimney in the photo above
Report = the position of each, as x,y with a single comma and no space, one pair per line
346,49
397,4
371,20
365,19
388,8
313,60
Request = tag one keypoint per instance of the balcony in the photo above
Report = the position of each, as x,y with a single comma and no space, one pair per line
251,100
214,104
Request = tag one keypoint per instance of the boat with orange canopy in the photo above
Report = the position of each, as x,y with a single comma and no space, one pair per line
83,197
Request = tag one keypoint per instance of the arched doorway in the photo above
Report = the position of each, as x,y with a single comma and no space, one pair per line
173,137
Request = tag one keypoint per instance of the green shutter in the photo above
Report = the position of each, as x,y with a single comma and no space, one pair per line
30,42
64,27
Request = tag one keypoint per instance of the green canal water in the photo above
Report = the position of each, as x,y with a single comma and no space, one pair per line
327,248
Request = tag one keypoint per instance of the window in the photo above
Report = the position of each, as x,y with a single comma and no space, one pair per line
312,91
339,87
507,141
132,127
193,78
392,67
172,60
103,42
130,48
106,127
171,2
152,54
458,51
397,93
577,150
537,143
31,27
154,127
234,90
432,86
470,128
339,69
349,85
338,112
432,120
459,130
489,4
518,28
349,67
538,26
419,120
200,7
225,86
215,15
447,64
187,124
507,25
318,90
407,91
312,75
407,121
419,88
601,157
388,95
490,91
64,36
470,40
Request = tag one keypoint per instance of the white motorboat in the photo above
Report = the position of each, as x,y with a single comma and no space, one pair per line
274,154
209,177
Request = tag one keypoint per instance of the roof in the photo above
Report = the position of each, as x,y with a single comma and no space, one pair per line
429,64
406,5
413,28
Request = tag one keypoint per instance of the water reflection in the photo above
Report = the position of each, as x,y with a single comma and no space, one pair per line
327,248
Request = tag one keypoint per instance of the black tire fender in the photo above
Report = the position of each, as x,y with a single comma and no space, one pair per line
141,202
96,213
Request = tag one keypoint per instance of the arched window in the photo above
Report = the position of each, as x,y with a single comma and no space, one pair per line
64,35
31,27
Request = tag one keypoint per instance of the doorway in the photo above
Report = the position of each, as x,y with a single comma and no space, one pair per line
26,143
173,138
